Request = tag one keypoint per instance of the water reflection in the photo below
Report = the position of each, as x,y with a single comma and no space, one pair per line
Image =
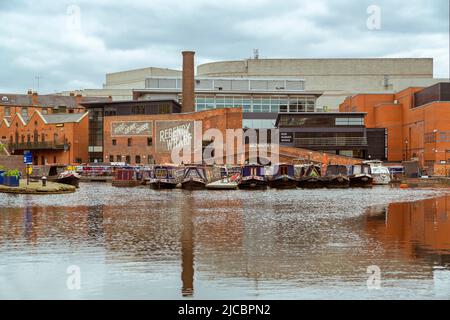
290,244
187,253
420,229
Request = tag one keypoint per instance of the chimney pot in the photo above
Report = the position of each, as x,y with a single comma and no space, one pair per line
72,94
30,91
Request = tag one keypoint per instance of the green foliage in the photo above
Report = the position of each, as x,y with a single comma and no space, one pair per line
13,173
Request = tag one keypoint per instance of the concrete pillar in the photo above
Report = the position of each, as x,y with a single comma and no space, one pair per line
188,82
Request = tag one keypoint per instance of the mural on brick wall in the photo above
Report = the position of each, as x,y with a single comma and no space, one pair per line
172,134
132,128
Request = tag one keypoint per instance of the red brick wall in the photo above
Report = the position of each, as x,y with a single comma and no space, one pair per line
220,119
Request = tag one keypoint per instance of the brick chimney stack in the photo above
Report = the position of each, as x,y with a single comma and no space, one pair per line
188,82
35,99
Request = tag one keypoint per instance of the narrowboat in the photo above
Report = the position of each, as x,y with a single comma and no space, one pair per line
227,181
336,177
253,177
381,174
57,173
282,177
163,177
360,176
194,178
126,177
311,177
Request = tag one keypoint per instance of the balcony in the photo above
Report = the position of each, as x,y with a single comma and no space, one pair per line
39,146
331,142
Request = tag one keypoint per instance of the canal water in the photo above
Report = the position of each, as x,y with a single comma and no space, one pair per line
107,243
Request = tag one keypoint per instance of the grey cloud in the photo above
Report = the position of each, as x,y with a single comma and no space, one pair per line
117,35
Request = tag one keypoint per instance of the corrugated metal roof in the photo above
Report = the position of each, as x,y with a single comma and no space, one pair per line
63,117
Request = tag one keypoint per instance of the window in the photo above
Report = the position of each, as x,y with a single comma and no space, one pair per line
7,111
119,158
43,137
149,141
129,142
164,108
138,109
128,159
150,159
111,159
349,121
114,142
24,112
138,159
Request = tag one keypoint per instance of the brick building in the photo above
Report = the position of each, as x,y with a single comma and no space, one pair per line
417,122
26,104
52,138
54,128
145,132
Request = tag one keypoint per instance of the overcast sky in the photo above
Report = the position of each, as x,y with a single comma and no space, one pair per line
72,44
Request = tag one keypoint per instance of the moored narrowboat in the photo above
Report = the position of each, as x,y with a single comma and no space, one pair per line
56,173
336,177
253,178
311,177
163,177
381,174
126,177
194,178
283,177
360,176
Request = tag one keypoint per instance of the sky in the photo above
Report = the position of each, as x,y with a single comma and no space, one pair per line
70,45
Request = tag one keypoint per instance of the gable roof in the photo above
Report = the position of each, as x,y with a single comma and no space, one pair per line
4,122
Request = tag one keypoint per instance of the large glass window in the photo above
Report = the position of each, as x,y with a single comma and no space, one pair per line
349,121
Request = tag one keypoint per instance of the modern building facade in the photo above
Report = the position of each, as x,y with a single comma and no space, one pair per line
260,99
336,78
417,122
343,134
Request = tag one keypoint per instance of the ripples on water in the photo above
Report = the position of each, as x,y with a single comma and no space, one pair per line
298,244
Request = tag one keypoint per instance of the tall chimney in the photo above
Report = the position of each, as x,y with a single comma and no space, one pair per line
188,82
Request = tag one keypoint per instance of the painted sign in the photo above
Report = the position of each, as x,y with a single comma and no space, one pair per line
286,137
172,134
132,128
28,158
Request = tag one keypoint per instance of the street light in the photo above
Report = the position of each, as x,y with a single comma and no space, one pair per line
446,160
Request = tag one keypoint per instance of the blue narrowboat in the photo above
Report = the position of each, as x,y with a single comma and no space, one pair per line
253,177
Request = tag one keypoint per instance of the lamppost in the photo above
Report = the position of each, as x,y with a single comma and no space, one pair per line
446,161
435,131
406,149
